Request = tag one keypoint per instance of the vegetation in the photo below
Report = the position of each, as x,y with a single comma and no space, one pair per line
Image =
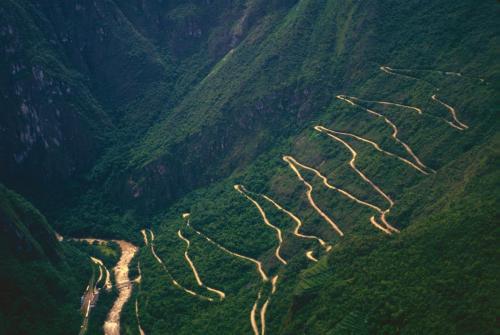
192,98
42,279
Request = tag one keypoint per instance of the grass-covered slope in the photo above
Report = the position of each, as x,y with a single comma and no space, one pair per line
42,279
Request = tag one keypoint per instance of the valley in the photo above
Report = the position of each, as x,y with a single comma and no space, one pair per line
249,167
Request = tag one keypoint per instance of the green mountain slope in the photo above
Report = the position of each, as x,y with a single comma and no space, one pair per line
338,159
42,279
412,283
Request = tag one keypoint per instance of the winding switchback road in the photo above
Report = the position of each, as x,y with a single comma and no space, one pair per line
298,225
263,309
393,71
221,294
172,279
98,261
258,264
374,222
387,103
378,148
141,331
144,237
293,165
390,70
260,271
352,163
241,189
310,255
263,312
395,130
138,281
298,222
253,320
456,123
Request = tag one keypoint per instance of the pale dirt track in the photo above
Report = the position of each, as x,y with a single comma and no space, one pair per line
172,279
378,148
394,71
138,281
388,103
455,123
253,320
141,331
298,225
391,71
293,165
200,283
107,282
395,131
144,237
241,189
101,274
260,271
352,163
310,255
258,264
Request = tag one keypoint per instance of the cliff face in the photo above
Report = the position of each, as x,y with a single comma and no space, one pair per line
52,126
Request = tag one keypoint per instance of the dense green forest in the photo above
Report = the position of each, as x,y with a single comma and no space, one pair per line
284,167
42,279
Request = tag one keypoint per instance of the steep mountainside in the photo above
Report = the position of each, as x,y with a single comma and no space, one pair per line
41,279
289,167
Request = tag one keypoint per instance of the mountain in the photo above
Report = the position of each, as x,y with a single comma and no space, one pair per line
41,279
338,159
